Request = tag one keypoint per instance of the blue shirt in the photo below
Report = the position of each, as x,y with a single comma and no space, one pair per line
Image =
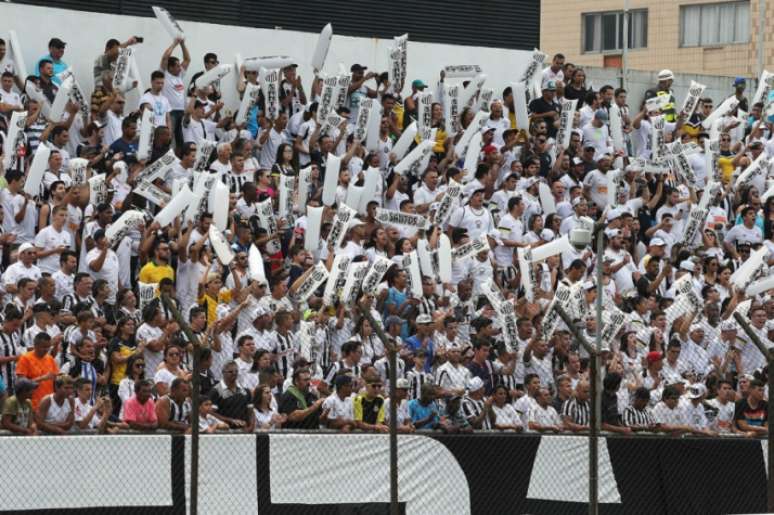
397,297
419,412
414,344
129,150
59,67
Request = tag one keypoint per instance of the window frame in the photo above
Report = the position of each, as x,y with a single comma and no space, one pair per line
619,14
701,7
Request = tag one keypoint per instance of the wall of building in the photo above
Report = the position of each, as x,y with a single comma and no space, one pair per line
561,31
638,81
85,34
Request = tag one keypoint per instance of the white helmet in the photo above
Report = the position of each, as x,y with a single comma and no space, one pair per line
666,75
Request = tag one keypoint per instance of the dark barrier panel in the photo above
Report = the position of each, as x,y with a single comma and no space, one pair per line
456,22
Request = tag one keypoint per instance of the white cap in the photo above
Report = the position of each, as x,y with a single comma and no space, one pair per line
687,265
530,181
657,242
424,319
25,247
613,214
402,383
696,390
666,74
696,327
612,233
475,384
728,325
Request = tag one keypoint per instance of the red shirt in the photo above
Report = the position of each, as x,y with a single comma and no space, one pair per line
134,411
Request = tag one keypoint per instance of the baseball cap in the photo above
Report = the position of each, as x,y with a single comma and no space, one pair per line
392,320
577,161
530,181
402,384
588,285
687,265
576,201
454,346
696,390
613,214
728,325
56,43
600,114
739,81
424,319
25,247
657,242
696,327
475,384
612,233
486,129
666,74
419,84
654,356
357,68
259,311
550,85
490,149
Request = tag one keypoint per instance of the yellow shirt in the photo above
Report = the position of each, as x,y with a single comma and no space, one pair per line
152,273
211,304
726,168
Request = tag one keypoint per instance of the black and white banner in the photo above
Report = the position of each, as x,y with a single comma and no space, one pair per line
326,474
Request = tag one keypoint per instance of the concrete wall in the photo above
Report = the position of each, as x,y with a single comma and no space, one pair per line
86,34
718,87
561,31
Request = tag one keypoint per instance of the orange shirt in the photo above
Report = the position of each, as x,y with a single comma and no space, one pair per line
31,366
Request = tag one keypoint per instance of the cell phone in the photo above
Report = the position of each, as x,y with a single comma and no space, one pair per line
139,39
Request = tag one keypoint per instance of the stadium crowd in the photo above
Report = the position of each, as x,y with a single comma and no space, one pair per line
83,345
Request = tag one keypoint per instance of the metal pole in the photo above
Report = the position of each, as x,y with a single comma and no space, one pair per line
761,35
596,378
625,50
392,354
769,353
194,500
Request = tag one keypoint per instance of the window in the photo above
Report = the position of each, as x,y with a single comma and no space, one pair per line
604,32
714,24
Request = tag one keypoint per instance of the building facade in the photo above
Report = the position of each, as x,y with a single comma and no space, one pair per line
687,36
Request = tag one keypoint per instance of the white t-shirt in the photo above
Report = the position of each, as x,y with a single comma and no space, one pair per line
147,333
339,408
507,416
599,137
741,233
112,127
544,416
48,239
197,130
160,106
268,154
597,182
476,222
109,271
512,230
174,90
